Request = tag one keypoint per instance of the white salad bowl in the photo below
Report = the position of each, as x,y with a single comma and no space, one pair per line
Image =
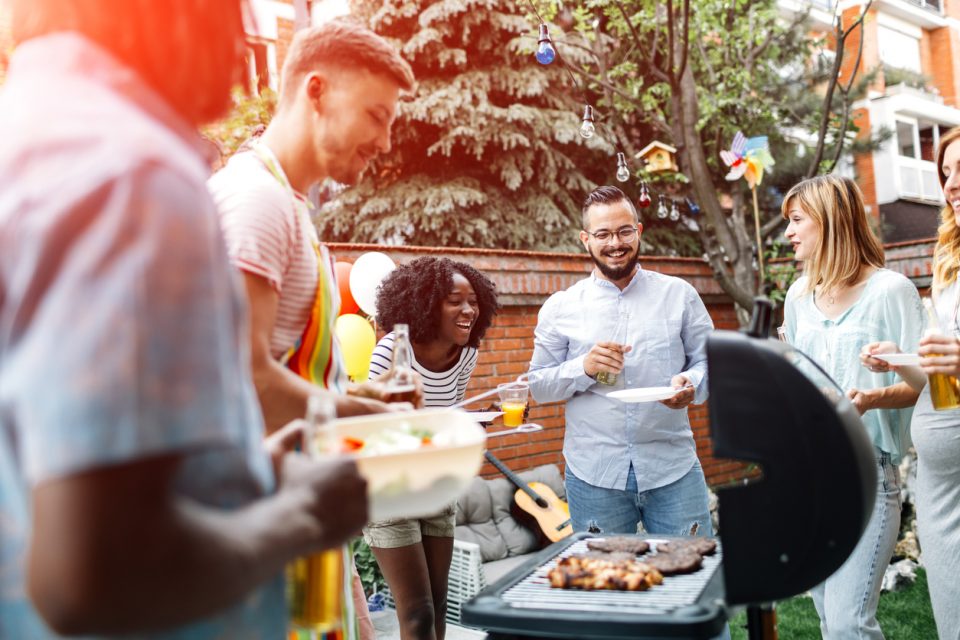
411,484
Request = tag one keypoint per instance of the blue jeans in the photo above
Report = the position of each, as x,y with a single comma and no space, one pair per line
669,510
847,601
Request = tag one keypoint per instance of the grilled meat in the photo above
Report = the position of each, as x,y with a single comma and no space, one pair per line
592,574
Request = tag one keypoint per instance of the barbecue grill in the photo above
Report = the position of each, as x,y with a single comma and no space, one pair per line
780,534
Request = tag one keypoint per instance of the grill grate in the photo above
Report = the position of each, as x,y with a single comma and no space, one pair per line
535,592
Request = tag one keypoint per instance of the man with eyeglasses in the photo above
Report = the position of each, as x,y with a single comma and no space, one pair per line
626,463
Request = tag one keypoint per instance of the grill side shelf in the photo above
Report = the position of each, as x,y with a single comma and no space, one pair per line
523,602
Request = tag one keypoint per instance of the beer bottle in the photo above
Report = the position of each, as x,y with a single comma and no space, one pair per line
317,585
944,388
620,337
401,379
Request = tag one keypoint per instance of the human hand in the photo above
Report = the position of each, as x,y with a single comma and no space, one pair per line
940,354
283,441
605,356
380,390
859,399
874,348
495,406
682,399
329,498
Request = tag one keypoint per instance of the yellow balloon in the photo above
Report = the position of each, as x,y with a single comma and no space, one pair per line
357,340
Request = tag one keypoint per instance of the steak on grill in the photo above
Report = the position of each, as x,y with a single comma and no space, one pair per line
613,545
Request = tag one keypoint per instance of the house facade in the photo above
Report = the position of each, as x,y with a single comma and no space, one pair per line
912,48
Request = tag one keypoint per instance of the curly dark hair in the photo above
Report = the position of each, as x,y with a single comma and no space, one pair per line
413,292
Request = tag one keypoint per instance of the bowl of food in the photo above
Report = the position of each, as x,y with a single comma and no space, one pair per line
415,462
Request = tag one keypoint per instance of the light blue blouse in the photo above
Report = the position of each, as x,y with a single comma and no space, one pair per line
888,309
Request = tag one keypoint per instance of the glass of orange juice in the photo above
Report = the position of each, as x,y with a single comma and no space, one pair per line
513,401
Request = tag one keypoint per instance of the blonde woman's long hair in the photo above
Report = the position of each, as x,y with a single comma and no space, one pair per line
946,256
846,242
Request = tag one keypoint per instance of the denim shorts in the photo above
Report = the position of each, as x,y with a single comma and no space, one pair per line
402,532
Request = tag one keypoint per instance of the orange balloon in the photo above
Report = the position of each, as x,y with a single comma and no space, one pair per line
347,303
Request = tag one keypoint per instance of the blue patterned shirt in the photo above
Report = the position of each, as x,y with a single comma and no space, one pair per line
122,331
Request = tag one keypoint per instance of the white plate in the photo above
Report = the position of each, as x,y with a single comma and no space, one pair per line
899,359
644,394
485,416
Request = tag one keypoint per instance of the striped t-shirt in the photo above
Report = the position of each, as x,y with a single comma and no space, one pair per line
269,235
440,388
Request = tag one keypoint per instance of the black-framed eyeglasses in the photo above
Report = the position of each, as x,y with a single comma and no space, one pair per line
625,234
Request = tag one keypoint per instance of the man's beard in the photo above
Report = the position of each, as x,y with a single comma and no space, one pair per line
621,272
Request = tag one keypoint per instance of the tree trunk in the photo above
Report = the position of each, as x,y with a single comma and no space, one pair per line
738,278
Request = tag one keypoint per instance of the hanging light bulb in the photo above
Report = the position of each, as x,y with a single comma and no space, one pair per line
545,51
693,207
623,173
644,199
587,129
662,210
674,211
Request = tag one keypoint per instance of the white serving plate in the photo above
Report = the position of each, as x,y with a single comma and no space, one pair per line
485,416
644,394
413,484
899,359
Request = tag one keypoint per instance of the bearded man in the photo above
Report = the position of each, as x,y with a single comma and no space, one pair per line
626,463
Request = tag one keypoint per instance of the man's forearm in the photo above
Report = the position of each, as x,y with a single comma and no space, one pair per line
896,396
131,567
283,396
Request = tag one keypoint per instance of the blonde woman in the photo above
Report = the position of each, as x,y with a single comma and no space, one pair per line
845,299
936,434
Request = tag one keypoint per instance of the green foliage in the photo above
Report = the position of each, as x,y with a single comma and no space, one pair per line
486,152
367,567
903,615
249,114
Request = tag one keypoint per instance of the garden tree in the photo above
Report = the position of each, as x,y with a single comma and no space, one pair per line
249,116
486,153
697,77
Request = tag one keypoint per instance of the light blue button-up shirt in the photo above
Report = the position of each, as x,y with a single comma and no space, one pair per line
668,330
888,309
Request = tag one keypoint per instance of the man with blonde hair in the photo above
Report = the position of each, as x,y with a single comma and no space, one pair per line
338,99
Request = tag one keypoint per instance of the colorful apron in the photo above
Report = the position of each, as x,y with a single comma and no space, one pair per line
316,358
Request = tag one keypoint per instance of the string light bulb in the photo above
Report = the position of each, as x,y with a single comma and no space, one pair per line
545,51
662,212
623,173
644,199
693,207
587,129
674,211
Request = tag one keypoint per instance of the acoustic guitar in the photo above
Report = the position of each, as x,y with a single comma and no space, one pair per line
538,502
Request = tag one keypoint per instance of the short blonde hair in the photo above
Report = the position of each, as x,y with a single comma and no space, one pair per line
343,44
946,256
846,240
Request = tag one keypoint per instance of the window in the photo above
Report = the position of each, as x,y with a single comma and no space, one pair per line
259,77
905,143
899,49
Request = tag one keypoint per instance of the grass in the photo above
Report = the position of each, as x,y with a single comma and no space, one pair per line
904,615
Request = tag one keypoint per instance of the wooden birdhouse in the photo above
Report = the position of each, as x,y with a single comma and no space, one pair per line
658,156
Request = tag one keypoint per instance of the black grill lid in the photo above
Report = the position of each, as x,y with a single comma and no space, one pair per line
792,528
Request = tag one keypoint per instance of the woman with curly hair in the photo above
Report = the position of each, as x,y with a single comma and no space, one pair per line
448,306
936,434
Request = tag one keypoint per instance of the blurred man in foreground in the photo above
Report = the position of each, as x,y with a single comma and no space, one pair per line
136,496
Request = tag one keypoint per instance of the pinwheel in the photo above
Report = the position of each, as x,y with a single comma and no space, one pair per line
747,158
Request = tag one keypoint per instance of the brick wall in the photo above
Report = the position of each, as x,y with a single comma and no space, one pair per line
524,281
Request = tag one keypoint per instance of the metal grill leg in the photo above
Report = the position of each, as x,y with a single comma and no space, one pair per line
761,621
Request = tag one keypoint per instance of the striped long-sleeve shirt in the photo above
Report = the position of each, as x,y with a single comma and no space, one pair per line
440,388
